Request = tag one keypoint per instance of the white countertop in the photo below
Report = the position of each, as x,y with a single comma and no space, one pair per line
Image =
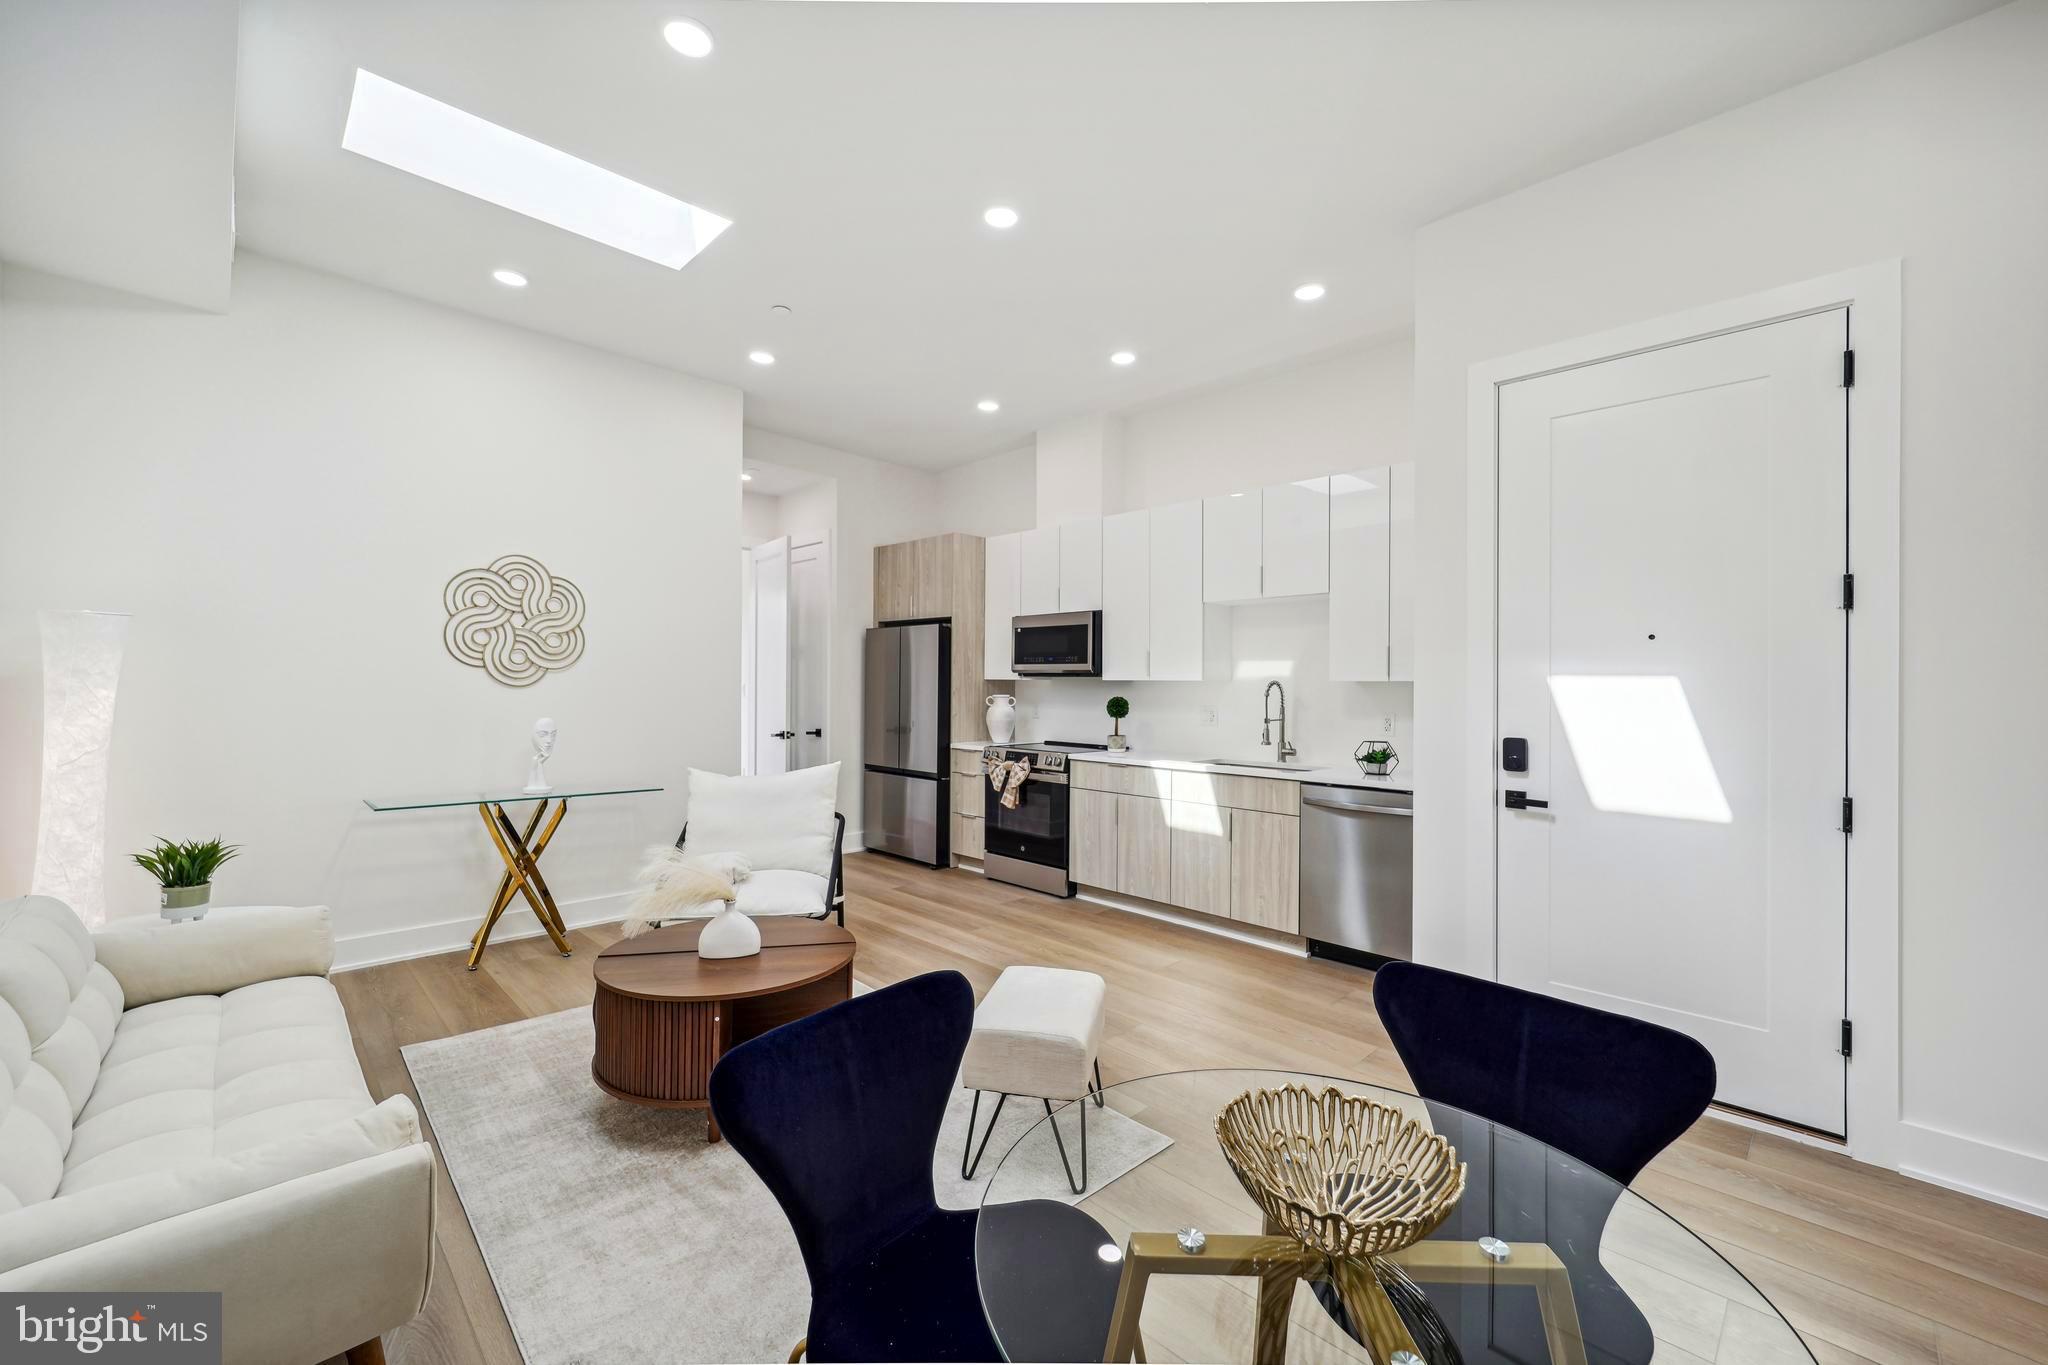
1346,776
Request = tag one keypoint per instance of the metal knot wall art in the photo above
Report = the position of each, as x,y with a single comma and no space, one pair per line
514,620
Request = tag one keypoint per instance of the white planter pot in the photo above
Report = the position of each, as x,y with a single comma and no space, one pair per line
729,934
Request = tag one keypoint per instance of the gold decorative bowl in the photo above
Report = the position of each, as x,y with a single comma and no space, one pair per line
1344,1174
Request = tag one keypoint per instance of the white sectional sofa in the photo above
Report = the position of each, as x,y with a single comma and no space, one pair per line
181,1109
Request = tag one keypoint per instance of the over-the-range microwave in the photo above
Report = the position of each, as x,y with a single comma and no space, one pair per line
1057,643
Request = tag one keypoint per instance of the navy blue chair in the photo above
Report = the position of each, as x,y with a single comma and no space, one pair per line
1601,1089
839,1115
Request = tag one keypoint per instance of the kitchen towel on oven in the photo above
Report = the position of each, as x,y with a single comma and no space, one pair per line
1005,777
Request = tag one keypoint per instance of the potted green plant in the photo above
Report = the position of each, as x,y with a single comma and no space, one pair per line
185,872
1118,708
1376,758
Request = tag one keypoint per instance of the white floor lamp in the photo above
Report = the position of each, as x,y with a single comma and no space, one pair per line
81,672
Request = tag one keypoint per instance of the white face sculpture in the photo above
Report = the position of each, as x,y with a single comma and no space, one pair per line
544,737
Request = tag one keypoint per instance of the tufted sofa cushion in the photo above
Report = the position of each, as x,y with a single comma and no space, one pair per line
211,1075
59,1013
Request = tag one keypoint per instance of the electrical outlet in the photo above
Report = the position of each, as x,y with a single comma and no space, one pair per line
1205,715
1386,725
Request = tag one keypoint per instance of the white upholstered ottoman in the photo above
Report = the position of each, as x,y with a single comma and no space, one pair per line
1036,1034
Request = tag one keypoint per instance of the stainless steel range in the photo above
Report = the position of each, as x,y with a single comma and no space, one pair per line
1026,844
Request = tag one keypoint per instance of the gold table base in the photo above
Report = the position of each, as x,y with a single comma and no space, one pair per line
1279,1260
521,853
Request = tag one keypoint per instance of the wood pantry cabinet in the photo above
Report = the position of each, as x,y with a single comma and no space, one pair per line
941,577
1221,845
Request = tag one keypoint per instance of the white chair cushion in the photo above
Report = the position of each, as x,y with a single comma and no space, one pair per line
1036,1033
58,1015
781,891
208,1075
781,822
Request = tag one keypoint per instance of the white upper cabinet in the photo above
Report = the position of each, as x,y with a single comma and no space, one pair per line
1081,565
1295,532
1001,580
1231,534
1359,557
1039,571
1401,576
1126,578
1175,572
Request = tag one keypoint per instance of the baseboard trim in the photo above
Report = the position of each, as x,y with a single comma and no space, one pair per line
447,936
1971,1166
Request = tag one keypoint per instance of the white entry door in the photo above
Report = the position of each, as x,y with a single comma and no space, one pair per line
810,599
772,730
1673,650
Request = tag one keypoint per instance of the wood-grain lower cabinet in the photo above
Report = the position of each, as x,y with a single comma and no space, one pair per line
1144,848
1091,838
967,836
1265,870
1200,856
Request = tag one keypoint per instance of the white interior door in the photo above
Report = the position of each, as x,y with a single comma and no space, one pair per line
773,733
810,599
1673,650
747,661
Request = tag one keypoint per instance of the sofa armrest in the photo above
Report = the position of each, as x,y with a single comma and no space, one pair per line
306,1269
217,954
316,1242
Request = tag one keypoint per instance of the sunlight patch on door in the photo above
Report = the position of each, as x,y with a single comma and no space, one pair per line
1638,748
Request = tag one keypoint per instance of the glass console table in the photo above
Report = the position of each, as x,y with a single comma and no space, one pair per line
519,849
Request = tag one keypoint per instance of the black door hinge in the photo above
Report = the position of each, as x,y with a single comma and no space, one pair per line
1848,591
1848,815
1848,1047
1848,369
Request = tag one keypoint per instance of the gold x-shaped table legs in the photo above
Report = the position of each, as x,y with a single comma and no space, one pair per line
1277,1261
522,874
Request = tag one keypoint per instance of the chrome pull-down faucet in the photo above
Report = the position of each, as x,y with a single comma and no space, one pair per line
1266,731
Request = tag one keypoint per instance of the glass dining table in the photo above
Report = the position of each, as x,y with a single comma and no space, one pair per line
1544,1260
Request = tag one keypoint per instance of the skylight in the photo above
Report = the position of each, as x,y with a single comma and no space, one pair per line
422,136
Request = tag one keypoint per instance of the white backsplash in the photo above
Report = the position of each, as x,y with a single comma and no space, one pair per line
1284,640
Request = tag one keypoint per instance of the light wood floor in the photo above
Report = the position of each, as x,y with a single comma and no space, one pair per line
1867,1264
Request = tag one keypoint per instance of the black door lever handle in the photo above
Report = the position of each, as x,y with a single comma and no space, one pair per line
815,734
1520,800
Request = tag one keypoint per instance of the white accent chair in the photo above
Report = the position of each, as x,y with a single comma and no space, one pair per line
786,827
181,1109
1037,1033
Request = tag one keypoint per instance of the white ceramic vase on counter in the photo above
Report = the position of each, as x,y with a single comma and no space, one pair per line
1002,718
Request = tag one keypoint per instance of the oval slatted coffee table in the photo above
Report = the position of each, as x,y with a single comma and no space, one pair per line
665,1016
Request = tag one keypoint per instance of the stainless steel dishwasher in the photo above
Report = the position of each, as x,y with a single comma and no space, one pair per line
1357,873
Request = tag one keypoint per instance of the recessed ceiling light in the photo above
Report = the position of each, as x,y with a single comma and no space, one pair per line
511,279
746,477
438,142
1309,293
1123,358
1000,216
688,37
988,405
761,357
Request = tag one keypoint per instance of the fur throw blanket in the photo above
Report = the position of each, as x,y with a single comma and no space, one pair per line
676,886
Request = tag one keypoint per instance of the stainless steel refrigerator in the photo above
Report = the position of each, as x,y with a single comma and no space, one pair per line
906,802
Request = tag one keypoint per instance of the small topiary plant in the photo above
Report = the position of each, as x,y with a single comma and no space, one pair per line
1118,708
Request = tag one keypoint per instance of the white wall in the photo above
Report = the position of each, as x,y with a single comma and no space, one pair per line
872,503
1346,411
1936,153
279,494
992,496
761,518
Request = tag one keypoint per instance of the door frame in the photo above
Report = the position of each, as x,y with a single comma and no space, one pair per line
1872,294
823,540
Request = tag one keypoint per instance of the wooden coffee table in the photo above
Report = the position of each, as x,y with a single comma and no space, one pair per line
665,1016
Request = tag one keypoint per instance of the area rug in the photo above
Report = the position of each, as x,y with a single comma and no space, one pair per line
615,1234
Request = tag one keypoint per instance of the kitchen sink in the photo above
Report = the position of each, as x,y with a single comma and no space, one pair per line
1250,763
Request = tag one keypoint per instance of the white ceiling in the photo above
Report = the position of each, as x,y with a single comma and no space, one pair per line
117,143
774,480
1179,168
